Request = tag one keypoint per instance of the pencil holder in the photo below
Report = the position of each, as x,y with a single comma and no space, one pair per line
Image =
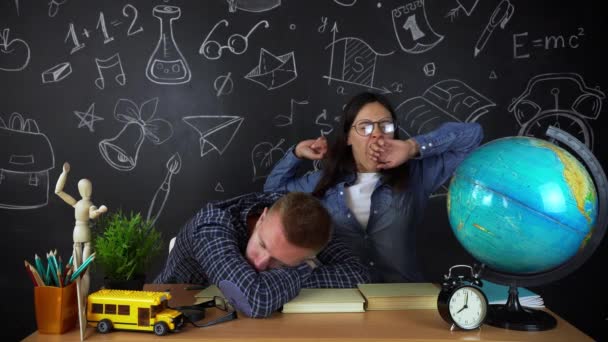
56,308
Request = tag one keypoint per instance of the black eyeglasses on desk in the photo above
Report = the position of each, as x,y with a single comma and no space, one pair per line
195,313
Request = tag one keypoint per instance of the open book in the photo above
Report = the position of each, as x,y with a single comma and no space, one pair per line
326,300
400,296
498,294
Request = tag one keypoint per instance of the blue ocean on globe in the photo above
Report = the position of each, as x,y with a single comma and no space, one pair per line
522,205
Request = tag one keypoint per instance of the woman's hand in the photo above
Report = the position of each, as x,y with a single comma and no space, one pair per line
312,149
390,153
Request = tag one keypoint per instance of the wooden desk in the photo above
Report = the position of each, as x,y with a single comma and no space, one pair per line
408,325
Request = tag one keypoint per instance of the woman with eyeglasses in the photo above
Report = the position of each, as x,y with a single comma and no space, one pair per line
376,186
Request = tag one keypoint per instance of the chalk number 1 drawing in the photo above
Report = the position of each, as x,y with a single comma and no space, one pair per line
412,29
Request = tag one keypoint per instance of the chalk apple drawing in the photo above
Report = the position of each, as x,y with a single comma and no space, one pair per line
14,54
263,157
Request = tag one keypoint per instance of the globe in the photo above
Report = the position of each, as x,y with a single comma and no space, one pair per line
522,205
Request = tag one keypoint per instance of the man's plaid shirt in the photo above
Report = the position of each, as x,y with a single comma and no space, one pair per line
210,248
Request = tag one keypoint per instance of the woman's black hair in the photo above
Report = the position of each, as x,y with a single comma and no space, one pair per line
340,160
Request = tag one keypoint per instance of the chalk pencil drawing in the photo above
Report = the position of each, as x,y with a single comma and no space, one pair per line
166,64
467,6
88,118
263,157
14,53
254,6
560,99
412,28
122,151
273,72
236,43
25,161
157,204
501,16
113,62
57,73
353,61
287,120
216,132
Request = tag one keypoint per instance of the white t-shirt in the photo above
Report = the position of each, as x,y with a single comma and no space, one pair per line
359,195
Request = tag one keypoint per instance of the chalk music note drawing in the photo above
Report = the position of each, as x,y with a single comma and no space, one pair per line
110,63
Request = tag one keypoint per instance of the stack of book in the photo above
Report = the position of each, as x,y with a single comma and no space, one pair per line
326,300
400,296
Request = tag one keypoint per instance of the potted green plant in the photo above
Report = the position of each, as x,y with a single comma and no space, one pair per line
124,247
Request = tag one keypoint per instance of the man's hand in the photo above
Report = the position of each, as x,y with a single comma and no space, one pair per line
390,153
312,149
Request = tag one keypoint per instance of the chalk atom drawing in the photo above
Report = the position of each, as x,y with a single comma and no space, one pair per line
273,72
216,131
412,28
88,118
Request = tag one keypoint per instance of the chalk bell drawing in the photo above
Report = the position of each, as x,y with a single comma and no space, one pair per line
122,150
273,71
26,157
255,6
167,65
216,132
412,28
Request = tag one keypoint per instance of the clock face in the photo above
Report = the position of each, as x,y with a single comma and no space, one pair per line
468,307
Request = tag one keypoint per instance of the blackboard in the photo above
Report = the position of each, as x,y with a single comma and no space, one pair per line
213,93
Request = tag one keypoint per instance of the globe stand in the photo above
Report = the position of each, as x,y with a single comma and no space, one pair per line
513,315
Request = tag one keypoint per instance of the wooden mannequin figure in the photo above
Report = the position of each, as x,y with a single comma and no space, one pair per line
83,211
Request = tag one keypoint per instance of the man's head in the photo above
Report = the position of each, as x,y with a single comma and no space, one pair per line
294,229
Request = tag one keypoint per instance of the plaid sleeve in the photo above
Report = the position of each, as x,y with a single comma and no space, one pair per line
340,268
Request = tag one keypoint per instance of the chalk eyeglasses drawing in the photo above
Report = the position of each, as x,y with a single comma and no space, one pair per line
236,43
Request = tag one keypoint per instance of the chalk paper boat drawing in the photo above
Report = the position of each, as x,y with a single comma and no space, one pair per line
273,71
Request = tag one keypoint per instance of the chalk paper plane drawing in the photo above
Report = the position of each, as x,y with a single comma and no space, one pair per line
255,6
115,65
501,16
467,6
273,72
54,7
263,157
122,151
412,28
286,120
562,100
26,157
353,61
88,118
14,53
157,204
216,131
57,73
236,43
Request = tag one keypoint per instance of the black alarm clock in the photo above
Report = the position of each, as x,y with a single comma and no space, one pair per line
461,302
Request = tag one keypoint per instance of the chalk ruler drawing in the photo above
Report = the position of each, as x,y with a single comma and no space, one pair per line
255,6
88,118
353,61
25,161
167,65
274,72
14,53
216,131
157,204
236,43
121,151
501,16
467,6
287,120
412,28
113,63
263,157
562,100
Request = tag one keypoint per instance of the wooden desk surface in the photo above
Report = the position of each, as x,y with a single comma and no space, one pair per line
407,325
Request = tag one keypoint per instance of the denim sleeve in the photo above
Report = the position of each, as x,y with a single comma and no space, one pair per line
283,176
442,150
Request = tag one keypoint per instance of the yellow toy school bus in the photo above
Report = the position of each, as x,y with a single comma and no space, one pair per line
132,310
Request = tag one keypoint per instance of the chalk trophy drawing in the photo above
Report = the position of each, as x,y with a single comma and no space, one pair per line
157,204
216,132
412,28
467,6
273,71
54,7
84,210
562,100
113,63
286,120
219,187
167,65
444,101
236,43
88,118
223,85
322,121
26,157
122,150
501,16
57,73
263,157
255,6
14,53
345,3
354,62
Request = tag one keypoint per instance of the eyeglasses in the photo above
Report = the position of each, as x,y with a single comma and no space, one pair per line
366,127
216,302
